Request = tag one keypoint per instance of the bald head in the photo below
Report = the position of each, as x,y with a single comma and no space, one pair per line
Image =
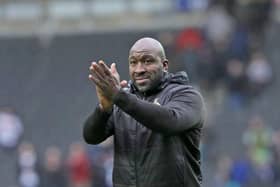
148,45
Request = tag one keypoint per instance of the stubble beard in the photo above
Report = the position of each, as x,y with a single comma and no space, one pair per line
150,85
143,88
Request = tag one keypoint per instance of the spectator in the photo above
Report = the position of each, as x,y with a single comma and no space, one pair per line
28,175
236,82
79,166
239,43
97,164
276,156
167,39
189,43
254,14
108,168
259,73
241,171
189,38
219,25
222,175
53,171
11,128
257,139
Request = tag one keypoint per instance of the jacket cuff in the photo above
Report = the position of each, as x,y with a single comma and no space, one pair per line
103,114
121,99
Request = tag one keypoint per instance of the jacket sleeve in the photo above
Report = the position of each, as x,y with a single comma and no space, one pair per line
185,110
98,127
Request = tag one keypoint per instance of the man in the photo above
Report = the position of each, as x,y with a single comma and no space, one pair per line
11,129
156,120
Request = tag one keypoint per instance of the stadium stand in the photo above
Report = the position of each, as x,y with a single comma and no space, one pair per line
43,76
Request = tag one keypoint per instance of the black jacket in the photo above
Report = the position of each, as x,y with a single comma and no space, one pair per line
156,134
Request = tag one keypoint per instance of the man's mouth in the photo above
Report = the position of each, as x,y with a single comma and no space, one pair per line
141,80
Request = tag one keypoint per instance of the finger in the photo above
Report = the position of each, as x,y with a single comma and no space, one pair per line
96,80
104,67
123,83
95,69
114,68
93,78
114,71
91,68
97,75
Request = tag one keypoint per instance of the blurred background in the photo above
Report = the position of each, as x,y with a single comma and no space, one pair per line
229,48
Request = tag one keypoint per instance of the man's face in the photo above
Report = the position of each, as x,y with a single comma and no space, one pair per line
145,69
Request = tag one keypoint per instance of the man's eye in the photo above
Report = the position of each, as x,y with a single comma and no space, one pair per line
148,61
132,62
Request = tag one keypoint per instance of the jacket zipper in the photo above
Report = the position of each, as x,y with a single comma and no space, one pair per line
135,161
136,145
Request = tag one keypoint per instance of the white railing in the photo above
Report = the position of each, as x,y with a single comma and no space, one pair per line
69,9
50,16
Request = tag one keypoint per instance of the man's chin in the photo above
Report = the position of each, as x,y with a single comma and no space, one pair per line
142,88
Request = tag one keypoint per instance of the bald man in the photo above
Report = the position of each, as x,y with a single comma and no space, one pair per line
156,119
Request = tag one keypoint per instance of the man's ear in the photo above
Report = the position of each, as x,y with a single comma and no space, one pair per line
165,65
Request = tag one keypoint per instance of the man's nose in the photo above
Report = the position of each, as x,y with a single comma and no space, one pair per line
139,68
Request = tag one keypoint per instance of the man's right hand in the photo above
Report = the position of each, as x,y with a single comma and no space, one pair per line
105,102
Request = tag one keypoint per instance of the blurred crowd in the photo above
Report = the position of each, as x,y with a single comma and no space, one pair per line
226,55
91,166
259,165
225,59
79,167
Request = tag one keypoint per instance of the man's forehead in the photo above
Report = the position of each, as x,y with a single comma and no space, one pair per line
144,49
139,53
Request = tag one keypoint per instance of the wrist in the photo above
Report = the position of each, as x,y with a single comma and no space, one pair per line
107,109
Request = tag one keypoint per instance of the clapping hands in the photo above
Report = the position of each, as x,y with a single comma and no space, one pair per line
107,82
